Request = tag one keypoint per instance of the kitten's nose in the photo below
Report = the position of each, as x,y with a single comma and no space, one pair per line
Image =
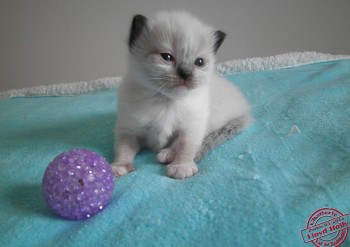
184,73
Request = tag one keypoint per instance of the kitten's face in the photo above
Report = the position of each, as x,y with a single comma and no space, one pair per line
173,53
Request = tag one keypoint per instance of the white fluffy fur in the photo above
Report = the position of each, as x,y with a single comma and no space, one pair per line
160,110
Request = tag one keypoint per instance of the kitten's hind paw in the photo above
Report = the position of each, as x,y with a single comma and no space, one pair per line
121,170
182,171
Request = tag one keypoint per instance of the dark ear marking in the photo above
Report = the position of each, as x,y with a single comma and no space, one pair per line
219,38
139,22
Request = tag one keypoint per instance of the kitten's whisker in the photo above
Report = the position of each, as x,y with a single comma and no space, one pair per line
158,89
155,78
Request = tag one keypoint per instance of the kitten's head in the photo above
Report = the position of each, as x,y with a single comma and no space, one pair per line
172,53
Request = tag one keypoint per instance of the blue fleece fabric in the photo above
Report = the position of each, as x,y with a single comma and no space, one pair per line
257,189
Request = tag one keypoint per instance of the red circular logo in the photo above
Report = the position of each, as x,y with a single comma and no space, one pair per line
326,227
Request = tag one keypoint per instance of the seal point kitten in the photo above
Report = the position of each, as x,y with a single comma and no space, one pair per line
171,100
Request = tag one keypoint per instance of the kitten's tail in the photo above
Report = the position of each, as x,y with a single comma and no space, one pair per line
217,137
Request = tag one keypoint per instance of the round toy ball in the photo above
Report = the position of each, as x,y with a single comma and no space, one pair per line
78,184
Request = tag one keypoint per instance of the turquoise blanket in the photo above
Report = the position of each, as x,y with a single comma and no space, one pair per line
257,189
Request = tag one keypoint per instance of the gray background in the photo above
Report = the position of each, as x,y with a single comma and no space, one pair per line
55,41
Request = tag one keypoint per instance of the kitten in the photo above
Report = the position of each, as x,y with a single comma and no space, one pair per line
171,98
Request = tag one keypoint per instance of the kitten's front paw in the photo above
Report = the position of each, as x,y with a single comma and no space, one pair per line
182,171
166,156
121,170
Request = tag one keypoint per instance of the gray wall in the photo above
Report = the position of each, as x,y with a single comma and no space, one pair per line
53,41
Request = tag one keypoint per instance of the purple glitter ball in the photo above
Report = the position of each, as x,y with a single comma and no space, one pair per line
78,184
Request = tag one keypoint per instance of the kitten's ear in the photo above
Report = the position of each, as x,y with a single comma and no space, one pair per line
219,38
139,22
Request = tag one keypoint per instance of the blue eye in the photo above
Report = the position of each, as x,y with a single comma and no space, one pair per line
199,62
167,57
